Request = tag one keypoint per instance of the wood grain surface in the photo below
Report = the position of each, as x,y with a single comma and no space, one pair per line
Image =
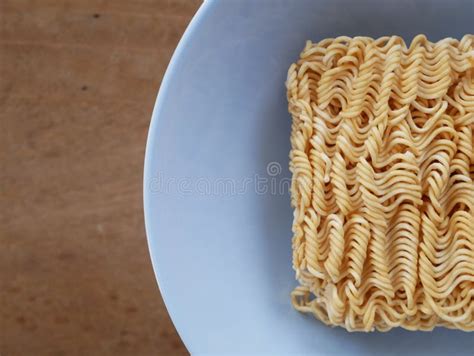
78,81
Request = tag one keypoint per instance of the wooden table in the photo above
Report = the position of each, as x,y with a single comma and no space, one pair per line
78,80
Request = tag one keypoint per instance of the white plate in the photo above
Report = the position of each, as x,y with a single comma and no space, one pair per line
218,226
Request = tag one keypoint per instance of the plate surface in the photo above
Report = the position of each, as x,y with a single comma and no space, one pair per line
217,209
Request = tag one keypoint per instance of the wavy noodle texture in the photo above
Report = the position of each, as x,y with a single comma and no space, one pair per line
383,165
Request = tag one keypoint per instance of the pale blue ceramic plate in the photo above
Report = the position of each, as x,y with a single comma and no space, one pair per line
217,211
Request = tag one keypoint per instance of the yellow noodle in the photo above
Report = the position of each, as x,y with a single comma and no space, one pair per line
383,165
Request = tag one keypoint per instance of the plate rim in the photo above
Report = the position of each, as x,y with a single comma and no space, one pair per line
152,137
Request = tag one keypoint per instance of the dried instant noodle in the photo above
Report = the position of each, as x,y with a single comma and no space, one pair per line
382,189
